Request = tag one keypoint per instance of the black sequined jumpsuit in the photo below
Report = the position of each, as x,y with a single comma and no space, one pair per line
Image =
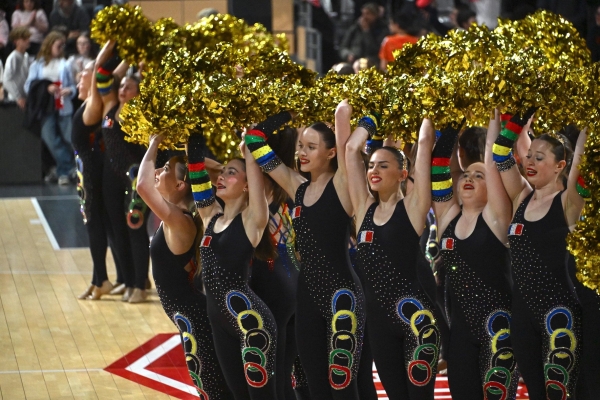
546,317
127,212
402,320
275,282
186,307
244,329
89,152
478,295
330,312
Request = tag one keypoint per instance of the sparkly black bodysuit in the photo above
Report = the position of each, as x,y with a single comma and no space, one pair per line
546,327
330,312
275,282
403,329
479,297
187,309
241,322
88,146
128,223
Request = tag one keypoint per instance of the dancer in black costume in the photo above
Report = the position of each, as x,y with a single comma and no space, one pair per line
240,320
167,191
86,138
404,334
122,160
275,280
546,316
330,304
481,361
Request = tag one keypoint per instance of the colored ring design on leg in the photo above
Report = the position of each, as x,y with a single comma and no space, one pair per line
557,385
553,313
336,297
494,385
258,352
249,312
261,332
494,371
335,352
492,318
563,331
418,363
412,301
135,214
503,354
413,319
562,354
240,295
429,346
501,332
342,370
343,335
259,368
178,317
562,369
338,315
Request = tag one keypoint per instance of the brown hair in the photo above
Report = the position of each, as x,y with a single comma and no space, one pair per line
20,32
46,48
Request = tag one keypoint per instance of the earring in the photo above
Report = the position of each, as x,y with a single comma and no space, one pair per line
245,190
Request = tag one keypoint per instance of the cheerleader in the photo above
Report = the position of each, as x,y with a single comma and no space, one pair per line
474,250
168,193
402,320
546,316
330,310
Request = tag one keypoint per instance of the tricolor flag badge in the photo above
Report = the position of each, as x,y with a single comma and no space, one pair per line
515,229
107,123
447,244
296,212
205,242
365,237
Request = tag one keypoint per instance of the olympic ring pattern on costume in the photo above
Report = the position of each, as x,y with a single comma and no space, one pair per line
563,343
190,347
344,332
254,356
502,362
425,355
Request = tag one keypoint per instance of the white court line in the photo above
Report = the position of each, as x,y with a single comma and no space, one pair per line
43,272
44,222
51,371
139,366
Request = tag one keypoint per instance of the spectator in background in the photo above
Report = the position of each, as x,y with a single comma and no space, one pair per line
572,10
343,69
364,63
364,37
465,18
593,37
31,15
401,27
488,12
17,66
3,34
51,73
71,17
206,12
79,61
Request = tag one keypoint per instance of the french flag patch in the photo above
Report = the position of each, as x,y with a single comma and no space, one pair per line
515,230
107,123
205,242
296,212
366,237
448,244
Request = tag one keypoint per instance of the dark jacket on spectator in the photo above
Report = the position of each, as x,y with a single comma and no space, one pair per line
79,19
572,10
363,44
39,103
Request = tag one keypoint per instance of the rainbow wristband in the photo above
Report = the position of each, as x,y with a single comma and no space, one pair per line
502,148
263,153
441,180
201,185
582,188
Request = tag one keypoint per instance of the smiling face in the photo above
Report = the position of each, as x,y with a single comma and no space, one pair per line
313,153
384,172
541,165
471,185
232,182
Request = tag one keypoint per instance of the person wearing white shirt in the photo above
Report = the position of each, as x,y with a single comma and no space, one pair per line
17,66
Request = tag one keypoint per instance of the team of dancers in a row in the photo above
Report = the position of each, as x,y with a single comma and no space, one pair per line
253,260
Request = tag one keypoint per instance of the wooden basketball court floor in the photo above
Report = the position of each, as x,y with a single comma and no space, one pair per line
52,345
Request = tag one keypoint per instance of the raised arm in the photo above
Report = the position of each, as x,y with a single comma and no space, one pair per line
418,201
445,204
169,213
256,215
256,141
577,191
342,133
106,63
358,186
498,211
515,184
201,186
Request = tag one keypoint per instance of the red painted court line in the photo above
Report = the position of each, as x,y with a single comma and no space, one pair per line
169,370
